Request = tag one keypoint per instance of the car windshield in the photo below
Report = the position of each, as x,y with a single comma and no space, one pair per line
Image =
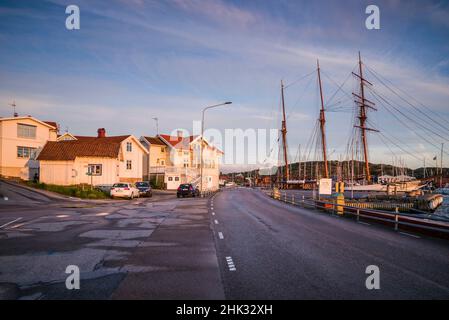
142,184
120,185
185,185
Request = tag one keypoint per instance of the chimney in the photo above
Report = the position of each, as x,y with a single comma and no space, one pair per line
101,133
180,134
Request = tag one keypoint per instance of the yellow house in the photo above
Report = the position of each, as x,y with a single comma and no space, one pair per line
21,139
179,162
155,162
97,160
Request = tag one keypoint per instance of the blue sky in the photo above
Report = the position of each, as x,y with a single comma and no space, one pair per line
133,60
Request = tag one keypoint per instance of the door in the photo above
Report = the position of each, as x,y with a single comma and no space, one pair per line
173,182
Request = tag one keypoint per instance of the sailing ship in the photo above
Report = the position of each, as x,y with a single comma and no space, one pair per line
364,180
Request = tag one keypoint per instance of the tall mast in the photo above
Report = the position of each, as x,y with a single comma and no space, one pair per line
363,105
284,135
322,125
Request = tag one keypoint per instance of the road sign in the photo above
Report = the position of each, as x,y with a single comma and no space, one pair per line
326,186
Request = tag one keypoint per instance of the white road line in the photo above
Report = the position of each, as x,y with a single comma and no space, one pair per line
220,235
11,222
213,213
410,235
231,264
364,223
216,221
5,198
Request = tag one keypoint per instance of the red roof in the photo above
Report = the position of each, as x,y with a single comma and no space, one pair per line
51,123
155,140
178,142
107,147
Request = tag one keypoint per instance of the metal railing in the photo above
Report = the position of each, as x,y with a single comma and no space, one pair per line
396,219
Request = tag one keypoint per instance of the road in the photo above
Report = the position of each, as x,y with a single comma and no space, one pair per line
157,248
284,252
238,244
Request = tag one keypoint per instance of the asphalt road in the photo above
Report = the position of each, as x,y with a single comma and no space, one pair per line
239,244
157,248
271,250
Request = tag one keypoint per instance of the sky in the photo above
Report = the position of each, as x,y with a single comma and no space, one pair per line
132,60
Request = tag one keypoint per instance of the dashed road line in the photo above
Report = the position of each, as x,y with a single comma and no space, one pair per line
11,222
5,198
220,235
231,264
216,221
213,213
410,235
364,223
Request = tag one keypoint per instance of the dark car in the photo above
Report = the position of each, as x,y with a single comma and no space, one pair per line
144,189
187,190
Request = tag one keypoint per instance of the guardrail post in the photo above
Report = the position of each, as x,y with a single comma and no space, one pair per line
358,215
396,220
293,198
285,197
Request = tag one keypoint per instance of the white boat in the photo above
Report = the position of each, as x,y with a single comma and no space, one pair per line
397,186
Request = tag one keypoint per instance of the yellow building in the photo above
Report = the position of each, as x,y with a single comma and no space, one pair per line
21,139
176,160
99,160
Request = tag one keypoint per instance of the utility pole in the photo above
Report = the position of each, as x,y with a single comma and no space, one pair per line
322,124
441,176
284,135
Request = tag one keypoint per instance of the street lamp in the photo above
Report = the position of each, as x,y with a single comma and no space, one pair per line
202,140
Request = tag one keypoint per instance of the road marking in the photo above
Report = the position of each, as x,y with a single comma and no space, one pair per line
364,223
11,222
231,264
63,216
213,213
220,235
216,221
5,198
409,234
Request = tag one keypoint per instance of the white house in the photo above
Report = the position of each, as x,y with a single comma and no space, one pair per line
176,159
75,160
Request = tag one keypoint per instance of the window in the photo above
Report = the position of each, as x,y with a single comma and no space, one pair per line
186,153
162,162
129,165
176,178
26,152
162,149
26,131
129,147
170,178
94,169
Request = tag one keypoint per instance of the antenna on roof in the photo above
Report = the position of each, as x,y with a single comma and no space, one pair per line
13,105
157,125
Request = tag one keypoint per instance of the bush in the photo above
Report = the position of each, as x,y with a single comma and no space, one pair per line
83,192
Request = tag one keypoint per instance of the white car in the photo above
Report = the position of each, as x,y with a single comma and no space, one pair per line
124,190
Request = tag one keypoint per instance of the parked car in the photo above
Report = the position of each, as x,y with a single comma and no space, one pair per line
187,190
124,190
144,189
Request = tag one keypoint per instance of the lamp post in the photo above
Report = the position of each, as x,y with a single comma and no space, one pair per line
202,139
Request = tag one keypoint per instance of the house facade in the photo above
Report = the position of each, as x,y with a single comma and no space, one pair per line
101,160
21,139
180,161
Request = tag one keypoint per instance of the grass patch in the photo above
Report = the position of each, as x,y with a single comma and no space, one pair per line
72,191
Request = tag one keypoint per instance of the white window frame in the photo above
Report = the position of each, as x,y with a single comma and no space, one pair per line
129,165
27,131
95,169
